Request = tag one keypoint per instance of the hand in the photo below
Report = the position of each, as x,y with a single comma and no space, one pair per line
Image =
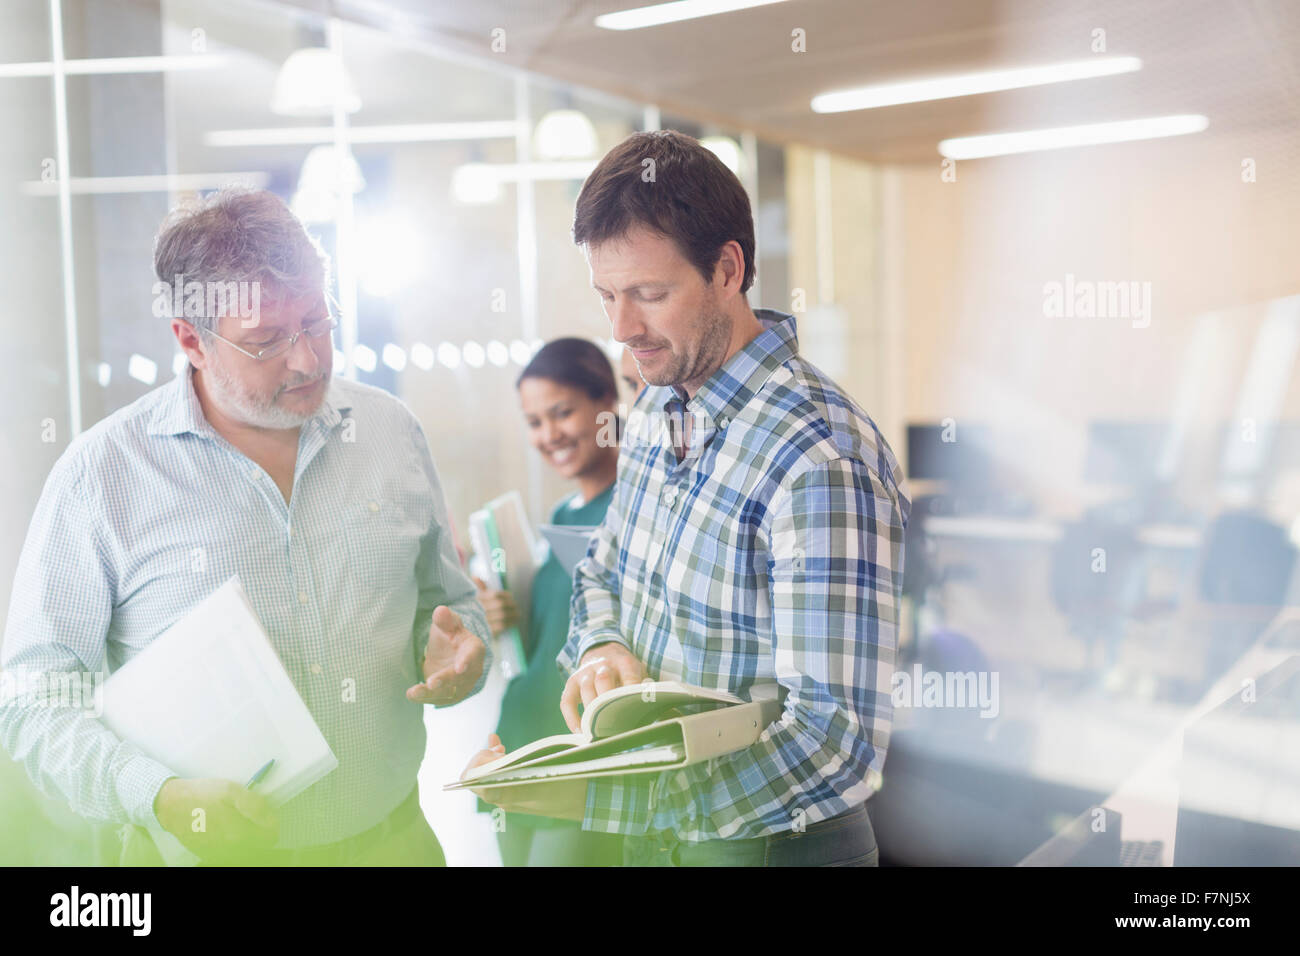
602,668
235,825
502,612
564,799
453,661
494,750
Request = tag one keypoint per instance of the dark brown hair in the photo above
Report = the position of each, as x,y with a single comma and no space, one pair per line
577,363
667,182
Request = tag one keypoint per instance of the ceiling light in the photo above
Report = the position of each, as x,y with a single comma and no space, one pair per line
497,353
473,353
363,357
422,356
659,13
968,84
322,180
394,357
312,82
448,355
565,134
1002,144
726,149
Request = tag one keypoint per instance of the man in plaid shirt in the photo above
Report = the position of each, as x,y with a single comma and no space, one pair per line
755,540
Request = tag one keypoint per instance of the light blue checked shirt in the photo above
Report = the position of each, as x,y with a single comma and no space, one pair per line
772,552
151,510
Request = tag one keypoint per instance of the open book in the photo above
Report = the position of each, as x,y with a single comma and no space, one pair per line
209,697
637,728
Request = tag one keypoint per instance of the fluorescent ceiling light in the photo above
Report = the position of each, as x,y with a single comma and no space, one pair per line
1123,131
395,133
968,84
116,64
108,185
657,14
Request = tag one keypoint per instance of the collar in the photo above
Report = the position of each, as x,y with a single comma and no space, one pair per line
179,410
731,387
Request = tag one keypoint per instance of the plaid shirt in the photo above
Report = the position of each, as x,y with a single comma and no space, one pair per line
151,510
772,552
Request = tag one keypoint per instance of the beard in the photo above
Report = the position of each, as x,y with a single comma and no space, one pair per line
700,356
230,395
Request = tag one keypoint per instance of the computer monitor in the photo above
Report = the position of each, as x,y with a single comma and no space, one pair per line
960,454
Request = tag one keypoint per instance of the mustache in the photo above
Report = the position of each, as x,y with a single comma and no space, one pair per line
305,381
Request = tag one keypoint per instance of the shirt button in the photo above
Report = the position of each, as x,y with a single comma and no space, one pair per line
374,506
302,597
722,423
316,669
670,495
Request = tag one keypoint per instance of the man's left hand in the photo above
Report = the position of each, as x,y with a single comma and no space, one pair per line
453,661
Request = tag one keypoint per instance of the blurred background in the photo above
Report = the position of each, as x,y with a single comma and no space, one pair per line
1080,341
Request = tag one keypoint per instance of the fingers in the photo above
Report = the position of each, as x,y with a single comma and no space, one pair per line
256,809
569,703
440,689
447,621
478,583
604,678
630,670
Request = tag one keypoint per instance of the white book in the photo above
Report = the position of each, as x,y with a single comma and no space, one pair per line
209,697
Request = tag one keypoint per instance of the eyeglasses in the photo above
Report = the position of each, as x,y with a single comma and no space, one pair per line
280,346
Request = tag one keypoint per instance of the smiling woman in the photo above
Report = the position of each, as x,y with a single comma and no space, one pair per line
568,395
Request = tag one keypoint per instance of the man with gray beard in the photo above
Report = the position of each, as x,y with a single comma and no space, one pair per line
319,493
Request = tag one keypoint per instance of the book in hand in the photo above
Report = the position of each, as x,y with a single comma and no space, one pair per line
637,728
209,697
505,554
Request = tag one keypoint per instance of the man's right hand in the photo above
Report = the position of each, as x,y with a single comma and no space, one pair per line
234,826
602,668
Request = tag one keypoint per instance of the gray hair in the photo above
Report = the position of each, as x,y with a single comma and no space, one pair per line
238,235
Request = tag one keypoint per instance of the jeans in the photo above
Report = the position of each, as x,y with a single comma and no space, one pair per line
846,840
